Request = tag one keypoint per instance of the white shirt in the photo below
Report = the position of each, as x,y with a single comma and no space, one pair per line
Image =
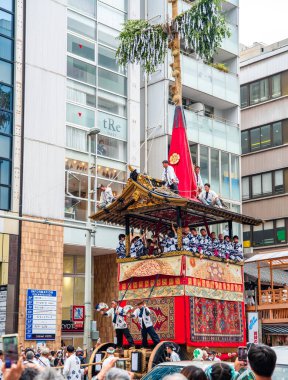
120,321
44,362
211,196
72,369
169,176
106,196
174,357
199,181
107,360
146,317
1,373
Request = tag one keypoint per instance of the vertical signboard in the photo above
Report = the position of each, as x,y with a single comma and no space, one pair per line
41,314
253,328
3,305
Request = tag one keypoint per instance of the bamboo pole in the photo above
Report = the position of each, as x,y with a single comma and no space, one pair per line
176,65
259,285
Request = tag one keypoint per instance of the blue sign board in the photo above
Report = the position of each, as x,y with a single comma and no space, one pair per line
41,314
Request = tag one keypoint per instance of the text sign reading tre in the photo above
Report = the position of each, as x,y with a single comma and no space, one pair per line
41,314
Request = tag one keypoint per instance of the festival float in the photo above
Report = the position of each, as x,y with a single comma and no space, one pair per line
195,300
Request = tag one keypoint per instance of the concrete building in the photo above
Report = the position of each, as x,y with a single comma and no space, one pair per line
58,79
211,99
264,123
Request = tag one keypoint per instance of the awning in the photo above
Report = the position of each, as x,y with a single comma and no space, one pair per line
275,329
280,276
277,258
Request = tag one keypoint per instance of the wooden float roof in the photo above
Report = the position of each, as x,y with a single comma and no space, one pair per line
149,204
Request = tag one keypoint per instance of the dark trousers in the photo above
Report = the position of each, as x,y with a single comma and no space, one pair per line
149,331
119,336
174,187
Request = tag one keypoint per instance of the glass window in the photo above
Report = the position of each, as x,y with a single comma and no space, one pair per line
5,122
7,4
6,96
80,264
256,185
279,182
112,103
259,91
112,82
120,4
79,115
246,236
215,171
110,16
258,235
244,96
266,183
277,134
280,231
235,177
245,142
245,188
81,71
76,139
194,154
6,70
111,174
5,172
112,148
68,290
116,187
79,295
80,93
264,90
107,59
78,46
225,192
81,25
108,36
5,195
204,163
5,146
85,6
255,139
265,137
68,264
276,86
6,48
268,233
6,24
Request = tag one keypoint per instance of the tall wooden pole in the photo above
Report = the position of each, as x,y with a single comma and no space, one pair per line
174,45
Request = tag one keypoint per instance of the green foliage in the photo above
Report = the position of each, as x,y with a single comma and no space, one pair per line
220,67
142,43
202,27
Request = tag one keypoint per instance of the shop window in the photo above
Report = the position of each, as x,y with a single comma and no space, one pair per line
79,294
112,103
108,36
85,6
68,264
68,290
81,25
80,47
81,71
80,264
112,82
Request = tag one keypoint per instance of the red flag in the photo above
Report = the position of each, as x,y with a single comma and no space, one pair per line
180,156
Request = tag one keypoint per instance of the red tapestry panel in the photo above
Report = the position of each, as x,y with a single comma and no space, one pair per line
163,317
216,321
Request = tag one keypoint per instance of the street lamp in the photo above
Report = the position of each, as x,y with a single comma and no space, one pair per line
88,251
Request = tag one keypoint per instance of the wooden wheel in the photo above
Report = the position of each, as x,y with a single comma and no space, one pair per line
102,347
159,354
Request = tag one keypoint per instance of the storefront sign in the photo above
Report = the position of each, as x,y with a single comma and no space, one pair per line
41,314
71,327
78,313
3,303
253,327
112,126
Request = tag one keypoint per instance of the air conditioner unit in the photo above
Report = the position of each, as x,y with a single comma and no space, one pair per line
199,108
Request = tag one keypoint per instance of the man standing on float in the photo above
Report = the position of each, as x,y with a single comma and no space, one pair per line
169,177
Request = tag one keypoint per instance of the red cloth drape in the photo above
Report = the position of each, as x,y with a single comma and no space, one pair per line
179,145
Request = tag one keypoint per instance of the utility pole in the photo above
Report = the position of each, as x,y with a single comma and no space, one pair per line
88,253
174,45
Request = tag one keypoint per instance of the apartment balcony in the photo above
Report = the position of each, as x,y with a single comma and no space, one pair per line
231,44
205,80
217,133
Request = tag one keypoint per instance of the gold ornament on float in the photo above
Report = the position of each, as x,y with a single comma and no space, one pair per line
174,158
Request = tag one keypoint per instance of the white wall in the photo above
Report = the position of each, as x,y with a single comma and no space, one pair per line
45,94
